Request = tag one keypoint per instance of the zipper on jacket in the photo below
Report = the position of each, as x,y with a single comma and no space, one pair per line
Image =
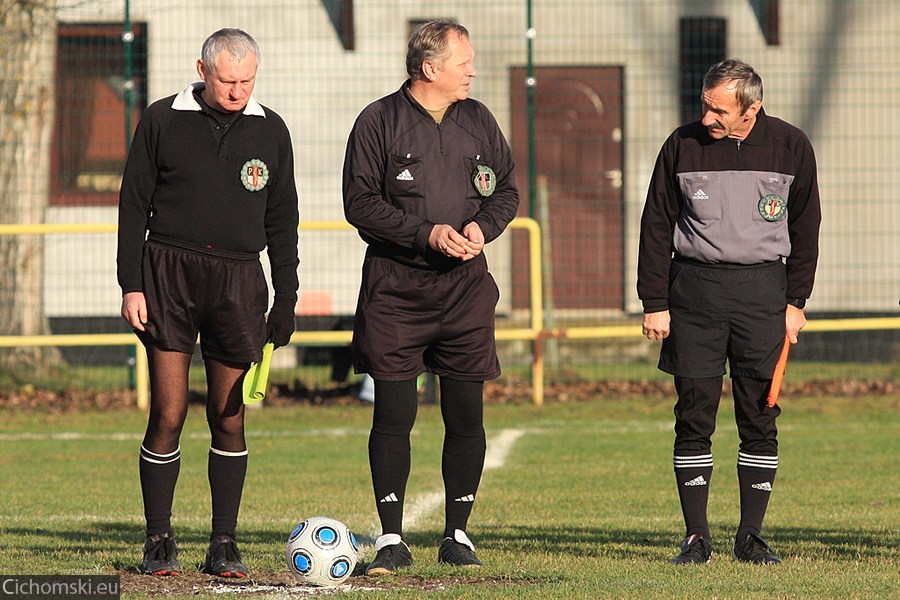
440,137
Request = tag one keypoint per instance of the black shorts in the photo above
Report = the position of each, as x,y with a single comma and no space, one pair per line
724,311
412,320
221,296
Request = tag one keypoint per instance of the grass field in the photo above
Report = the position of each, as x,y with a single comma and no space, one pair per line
578,501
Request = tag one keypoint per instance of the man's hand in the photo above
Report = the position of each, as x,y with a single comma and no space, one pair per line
474,240
449,242
134,310
794,321
656,326
280,322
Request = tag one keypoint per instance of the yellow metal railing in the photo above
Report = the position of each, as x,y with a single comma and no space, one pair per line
302,338
141,370
532,333
535,332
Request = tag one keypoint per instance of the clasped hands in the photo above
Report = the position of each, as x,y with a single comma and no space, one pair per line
465,245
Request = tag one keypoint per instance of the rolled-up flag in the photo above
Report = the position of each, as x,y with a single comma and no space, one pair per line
257,377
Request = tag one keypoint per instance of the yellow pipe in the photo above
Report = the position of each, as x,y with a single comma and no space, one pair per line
52,228
604,332
634,331
507,335
80,339
325,225
535,276
853,324
44,228
329,338
536,334
534,269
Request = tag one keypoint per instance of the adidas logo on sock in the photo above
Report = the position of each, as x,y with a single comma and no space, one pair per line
405,175
392,497
698,195
764,486
466,498
698,480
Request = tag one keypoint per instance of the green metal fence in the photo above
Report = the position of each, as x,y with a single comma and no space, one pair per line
585,90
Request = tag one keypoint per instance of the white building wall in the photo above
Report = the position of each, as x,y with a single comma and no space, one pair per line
319,89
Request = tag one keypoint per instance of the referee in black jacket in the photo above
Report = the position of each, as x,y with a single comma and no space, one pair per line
209,183
428,181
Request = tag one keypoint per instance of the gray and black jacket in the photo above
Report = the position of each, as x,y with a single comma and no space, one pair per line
731,201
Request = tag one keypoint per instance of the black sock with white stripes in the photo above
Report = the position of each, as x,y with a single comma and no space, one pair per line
159,474
756,476
226,472
396,405
693,475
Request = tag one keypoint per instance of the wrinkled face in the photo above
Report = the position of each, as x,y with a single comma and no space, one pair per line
721,113
454,76
230,83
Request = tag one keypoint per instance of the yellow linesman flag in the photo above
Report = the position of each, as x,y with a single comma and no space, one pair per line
257,377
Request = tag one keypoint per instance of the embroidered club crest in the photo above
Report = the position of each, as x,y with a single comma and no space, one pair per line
772,207
254,175
485,180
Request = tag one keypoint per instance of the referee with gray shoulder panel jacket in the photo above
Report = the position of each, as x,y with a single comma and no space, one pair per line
728,253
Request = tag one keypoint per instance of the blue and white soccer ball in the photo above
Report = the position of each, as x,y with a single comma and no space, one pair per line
322,551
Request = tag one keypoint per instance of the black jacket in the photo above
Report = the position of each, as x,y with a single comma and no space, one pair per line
182,183
404,173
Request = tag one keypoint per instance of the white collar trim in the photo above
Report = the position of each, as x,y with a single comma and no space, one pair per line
185,101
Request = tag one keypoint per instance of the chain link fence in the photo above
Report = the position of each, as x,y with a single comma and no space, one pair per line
585,91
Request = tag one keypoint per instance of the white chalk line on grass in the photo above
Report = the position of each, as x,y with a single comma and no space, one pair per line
422,505
418,509
195,435
279,591
74,436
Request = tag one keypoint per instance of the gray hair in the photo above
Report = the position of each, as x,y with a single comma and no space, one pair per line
749,86
238,43
428,42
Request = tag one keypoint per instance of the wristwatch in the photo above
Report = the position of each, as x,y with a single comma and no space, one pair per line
797,302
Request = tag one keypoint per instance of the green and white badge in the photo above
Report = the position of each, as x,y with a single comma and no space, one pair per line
254,175
485,180
772,207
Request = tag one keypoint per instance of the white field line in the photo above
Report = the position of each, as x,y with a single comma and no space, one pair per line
612,428
418,509
195,435
276,592
422,505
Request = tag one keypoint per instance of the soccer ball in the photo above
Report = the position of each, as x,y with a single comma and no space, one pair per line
322,551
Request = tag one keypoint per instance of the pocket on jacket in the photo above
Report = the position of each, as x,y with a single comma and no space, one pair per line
405,178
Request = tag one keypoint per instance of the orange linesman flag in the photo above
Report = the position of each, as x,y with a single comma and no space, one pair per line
778,376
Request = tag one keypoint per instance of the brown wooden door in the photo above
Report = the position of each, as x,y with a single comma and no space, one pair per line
578,153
